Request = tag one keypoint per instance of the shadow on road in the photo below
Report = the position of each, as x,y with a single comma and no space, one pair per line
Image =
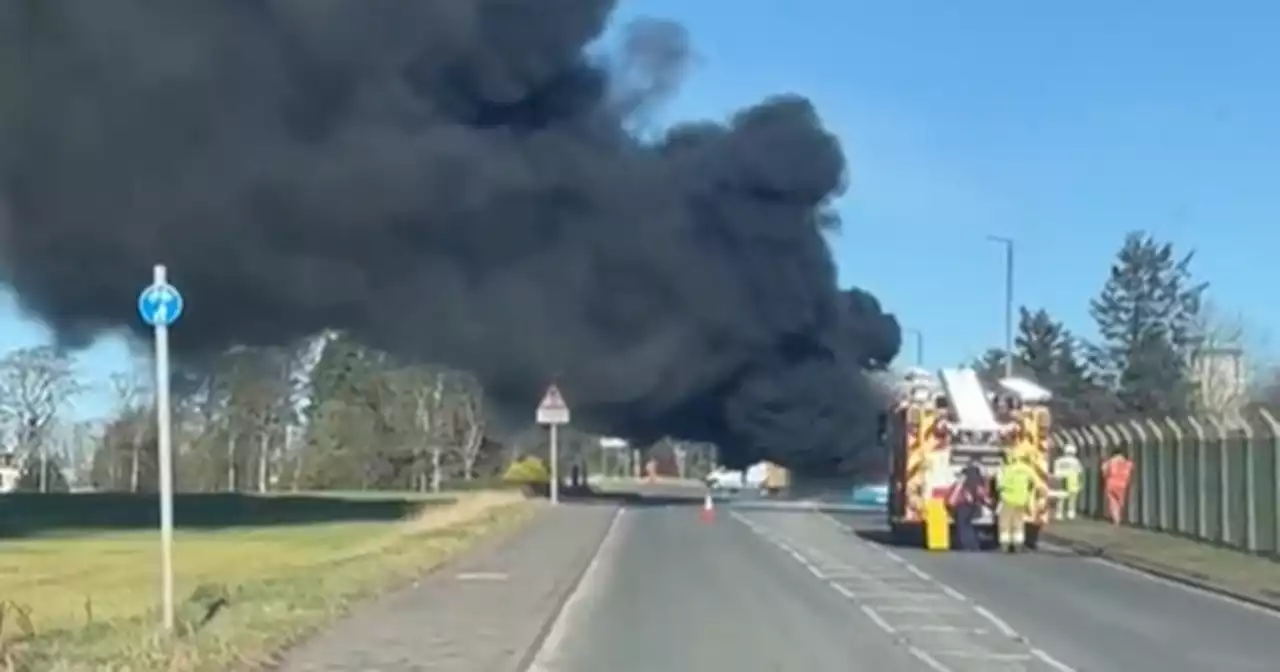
882,537
633,499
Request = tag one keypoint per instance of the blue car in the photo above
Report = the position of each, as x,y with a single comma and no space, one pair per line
871,496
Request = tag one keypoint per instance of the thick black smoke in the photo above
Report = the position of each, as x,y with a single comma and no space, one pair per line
452,180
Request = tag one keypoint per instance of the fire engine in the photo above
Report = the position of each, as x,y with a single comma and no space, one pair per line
939,424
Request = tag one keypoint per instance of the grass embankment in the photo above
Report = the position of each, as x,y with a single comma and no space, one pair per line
1238,572
245,590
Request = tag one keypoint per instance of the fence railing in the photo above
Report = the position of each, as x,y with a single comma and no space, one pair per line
1215,479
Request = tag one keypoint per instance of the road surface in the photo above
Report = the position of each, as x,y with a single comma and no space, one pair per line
1094,615
765,590
668,592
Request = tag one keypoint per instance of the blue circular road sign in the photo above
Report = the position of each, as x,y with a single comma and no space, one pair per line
160,305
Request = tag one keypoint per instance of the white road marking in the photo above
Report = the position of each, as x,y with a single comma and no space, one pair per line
482,576
928,659
574,609
873,611
1051,661
1004,628
1009,657
878,619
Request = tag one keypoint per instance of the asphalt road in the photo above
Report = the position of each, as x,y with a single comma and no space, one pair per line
668,592
763,589
1091,615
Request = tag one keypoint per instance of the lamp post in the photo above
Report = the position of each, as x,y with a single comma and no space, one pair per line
919,336
1008,301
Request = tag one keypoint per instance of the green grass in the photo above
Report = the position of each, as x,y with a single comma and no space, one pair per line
1225,567
91,597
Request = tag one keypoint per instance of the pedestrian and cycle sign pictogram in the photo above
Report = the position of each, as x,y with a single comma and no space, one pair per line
553,410
160,304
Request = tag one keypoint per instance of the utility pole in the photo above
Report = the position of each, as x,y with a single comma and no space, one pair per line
1008,301
919,336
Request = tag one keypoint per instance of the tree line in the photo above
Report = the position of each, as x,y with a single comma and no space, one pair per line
327,413
1161,348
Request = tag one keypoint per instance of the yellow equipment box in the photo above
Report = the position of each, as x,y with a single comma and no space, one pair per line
937,525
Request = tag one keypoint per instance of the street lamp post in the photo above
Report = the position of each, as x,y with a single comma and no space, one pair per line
919,336
1008,301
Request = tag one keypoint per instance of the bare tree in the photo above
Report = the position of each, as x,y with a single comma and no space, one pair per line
1226,362
472,429
427,394
127,387
258,407
36,385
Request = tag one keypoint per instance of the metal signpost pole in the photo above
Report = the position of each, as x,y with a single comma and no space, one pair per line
555,466
160,305
553,412
1008,301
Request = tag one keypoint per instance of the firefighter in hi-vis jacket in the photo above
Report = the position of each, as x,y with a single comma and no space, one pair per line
1070,473
1016,485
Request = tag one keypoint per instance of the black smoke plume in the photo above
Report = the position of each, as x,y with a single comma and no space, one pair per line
452,180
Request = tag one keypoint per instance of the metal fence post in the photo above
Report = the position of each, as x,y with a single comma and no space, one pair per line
1202,518
1179,503
1160,519
1273,441
1250,488
1224,504
1099,444
1141,494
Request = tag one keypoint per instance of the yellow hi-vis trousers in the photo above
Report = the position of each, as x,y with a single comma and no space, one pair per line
1012,525
1066,505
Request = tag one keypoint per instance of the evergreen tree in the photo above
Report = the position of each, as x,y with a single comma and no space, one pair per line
1038,347
1049,354
991,366
1146,316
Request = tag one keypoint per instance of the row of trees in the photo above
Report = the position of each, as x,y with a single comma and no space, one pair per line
1159,347
326,414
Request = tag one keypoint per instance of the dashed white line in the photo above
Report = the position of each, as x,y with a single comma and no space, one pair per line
1051,661
878,619
844,591
919,573
1004,628
927,659
978,655
874,615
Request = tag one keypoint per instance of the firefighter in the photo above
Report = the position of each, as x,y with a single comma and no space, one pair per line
967,497
1068,470
1016,484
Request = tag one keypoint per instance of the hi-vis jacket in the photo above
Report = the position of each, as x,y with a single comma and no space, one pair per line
1069,469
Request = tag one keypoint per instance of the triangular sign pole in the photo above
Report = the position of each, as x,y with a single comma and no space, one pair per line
553,412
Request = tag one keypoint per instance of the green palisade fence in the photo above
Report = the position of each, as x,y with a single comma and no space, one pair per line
1215,479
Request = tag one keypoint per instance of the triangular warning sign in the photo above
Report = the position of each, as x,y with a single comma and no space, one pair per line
552,400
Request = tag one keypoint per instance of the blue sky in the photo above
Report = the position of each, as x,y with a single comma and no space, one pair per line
1061,125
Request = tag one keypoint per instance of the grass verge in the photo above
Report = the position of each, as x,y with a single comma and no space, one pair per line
1224,568
73,604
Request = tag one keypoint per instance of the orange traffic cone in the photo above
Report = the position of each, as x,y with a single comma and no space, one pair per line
708,509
